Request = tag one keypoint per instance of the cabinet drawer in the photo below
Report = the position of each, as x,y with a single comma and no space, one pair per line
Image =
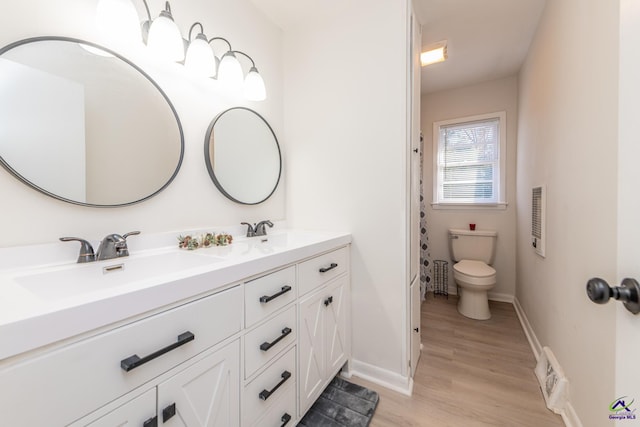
90,373
267,294
316,271
265,342
282,413
261,394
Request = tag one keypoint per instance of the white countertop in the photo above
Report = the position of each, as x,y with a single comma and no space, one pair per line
34,313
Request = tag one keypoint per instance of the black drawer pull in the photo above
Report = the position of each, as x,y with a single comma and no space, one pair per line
285,419
331,267
328,301
267,345
284,290
168,412
264,394
134,361
151,422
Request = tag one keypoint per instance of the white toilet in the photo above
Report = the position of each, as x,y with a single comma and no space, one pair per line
473,253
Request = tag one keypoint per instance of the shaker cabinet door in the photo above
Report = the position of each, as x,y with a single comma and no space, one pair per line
206,394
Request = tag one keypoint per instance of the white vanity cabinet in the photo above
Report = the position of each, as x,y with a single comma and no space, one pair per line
324,341
206,393
256,349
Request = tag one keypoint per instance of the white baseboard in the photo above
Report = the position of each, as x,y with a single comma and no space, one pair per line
496,296
528,330
568,414
383,377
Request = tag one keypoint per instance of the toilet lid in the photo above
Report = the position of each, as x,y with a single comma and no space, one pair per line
474,268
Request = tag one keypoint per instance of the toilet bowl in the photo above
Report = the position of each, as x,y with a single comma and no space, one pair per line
474,278
473,251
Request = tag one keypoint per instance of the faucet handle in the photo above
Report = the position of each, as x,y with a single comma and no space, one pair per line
250,230
131,233
86,250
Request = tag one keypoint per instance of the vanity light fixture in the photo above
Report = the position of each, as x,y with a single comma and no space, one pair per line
254,89
437,52
164,38
200,58
116,20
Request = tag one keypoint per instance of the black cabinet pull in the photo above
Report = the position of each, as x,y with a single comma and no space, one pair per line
134,361
168,412
267,345
264,299
151,422
264,394
331,267
328,301
285,419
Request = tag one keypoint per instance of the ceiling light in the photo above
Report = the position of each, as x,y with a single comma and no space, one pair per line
434,53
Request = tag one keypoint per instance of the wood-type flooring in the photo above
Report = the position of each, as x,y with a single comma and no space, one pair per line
471,374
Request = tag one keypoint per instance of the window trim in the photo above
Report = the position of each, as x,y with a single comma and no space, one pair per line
502,153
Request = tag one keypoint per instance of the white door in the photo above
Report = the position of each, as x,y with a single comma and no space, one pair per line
414,195
415,325
627,324
335,325
206,394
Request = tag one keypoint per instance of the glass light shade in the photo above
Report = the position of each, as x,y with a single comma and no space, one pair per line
230,72
254,89
200,59
117,21
165,40
433,56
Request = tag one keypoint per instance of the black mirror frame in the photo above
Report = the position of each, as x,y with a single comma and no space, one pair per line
138,69
207,158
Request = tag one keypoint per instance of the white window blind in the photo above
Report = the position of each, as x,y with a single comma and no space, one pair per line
468,161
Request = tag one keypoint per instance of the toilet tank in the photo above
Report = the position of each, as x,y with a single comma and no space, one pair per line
479,245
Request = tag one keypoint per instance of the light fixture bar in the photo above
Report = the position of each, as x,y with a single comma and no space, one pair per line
434,53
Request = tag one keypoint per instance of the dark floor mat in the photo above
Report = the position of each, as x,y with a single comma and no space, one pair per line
342,404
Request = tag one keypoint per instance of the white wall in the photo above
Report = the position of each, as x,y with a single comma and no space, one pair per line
191,201
488,97
567,140
346,126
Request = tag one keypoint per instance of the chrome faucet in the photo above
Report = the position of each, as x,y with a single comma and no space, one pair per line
114,246
250,230
86,250
260,227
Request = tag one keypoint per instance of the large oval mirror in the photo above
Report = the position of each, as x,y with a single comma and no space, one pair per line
82,124
243,156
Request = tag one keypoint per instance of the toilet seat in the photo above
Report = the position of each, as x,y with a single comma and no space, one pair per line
473,272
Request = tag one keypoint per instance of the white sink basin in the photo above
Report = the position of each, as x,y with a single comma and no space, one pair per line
80,279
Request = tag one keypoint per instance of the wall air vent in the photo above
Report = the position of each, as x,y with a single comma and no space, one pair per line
538,209
553,382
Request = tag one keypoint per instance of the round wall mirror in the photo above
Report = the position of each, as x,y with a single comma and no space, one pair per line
84,125
243,156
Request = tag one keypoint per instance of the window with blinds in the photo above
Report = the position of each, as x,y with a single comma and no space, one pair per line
468,160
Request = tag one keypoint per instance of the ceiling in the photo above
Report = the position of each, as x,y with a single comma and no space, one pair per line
486,39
